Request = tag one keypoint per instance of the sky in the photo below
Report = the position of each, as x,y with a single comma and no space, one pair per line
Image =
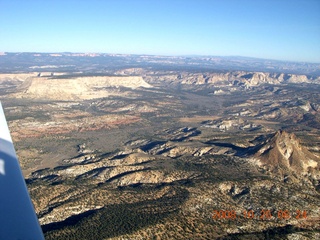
271,29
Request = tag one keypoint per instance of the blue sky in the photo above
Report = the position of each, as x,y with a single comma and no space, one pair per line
274,29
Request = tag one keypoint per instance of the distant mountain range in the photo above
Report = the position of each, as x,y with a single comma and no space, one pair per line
103,63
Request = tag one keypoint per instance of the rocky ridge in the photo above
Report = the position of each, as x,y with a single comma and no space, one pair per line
82,88
283,154
235,78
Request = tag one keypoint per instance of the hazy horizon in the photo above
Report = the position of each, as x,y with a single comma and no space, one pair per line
163,55
287,30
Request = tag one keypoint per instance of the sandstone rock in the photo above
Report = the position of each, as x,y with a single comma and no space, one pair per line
283,152
79,88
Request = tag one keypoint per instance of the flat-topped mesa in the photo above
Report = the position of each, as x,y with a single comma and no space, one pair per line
283,152
79,88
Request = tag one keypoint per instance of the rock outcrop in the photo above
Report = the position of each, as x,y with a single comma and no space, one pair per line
234,78
283,153
79,88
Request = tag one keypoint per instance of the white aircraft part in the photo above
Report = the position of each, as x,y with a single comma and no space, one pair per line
2,169
18,219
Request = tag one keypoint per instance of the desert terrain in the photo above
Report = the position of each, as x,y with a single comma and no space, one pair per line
167,151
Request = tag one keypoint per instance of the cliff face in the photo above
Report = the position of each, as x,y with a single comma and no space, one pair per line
82,88
260,77
283,152
235,78
77,88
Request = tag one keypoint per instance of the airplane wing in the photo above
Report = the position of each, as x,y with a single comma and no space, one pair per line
18,219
